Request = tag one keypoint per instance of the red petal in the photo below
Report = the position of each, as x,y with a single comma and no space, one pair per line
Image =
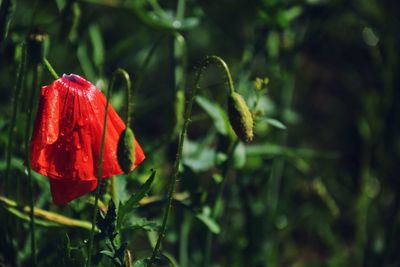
67,135
63,191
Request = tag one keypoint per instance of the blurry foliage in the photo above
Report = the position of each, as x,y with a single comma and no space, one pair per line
318,186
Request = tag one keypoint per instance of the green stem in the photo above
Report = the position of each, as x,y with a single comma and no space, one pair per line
217,201
37,71
220,63
99,173
129,94
128,113
179,61
180,9
114,192
50,69
184,239
175,174
7,9
146,62
17,90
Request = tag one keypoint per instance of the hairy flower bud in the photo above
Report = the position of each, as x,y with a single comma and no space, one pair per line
240,117
126,150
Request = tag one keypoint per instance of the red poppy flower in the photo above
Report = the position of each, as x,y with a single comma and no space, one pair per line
66,139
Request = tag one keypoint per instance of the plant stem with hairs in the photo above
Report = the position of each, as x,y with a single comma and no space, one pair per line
99,173
17,89
37,74
188,110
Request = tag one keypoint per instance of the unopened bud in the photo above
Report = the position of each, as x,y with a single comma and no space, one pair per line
37,43
240,117
126,150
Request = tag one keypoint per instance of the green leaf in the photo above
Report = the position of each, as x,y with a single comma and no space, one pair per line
217,178
119,254
158,18
208,221
217,114
98,45
198,155
133,201
106,223
107,253
275,123
239,156
85,62
140,263
143,224
293,13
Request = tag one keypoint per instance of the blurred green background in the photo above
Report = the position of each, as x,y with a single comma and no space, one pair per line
318,186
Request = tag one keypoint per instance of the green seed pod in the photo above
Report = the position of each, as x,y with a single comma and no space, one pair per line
126,150
37,43
240,117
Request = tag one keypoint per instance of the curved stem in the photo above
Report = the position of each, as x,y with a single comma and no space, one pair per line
128,104
50,69
221,63
188,111
17,90
37,72
100,170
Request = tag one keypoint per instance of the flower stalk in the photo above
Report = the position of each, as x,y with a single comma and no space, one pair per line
37,73
125,75
188,111
36,49
50,69
97,196
17,89
7,9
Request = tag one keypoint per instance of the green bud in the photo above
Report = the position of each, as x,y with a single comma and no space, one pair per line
37,43
126,150
240,117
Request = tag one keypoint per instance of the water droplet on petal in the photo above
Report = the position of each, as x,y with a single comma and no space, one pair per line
80,122
85,158
78,146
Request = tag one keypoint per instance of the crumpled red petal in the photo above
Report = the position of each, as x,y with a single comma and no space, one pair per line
66,140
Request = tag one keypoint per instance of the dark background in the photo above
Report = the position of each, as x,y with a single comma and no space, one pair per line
322,192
